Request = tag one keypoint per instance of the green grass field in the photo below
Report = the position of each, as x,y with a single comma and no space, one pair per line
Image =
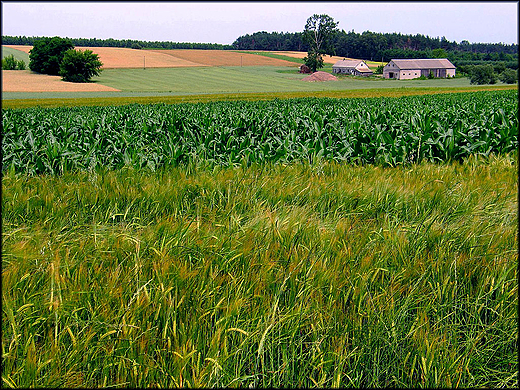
236,80
243,79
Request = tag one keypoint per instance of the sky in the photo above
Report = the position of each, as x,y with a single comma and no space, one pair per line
224,22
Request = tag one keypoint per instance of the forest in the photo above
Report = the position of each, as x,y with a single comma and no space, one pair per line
385,46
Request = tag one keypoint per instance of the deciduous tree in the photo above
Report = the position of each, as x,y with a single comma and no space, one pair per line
47,53
319,34
508,76
314,61
482,74
79,66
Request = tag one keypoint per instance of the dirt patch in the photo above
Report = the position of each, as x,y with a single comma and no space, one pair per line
28,81
320,76
224,58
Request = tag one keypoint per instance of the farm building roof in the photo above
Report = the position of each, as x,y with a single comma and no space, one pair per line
424,63
347,63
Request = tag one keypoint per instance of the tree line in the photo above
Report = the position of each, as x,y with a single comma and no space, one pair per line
126,43
367,45
386,46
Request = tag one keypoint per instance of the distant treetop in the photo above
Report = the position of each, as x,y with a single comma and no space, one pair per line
110,42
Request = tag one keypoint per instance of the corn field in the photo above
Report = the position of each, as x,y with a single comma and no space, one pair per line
386,131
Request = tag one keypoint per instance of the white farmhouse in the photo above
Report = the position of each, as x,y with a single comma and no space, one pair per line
353,67
414,68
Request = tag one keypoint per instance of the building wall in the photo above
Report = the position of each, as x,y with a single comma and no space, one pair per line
344,70
390,70
409,74
415,73
352,71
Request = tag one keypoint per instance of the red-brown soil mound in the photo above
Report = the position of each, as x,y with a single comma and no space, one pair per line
320,76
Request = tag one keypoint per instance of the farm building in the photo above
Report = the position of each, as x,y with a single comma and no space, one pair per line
414,68
353,67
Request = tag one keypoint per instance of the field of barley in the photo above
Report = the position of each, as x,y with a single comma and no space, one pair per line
228,234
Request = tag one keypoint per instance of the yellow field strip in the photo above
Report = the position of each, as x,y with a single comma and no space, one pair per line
359,93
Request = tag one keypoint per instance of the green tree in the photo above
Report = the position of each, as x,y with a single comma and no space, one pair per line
47,53
314,61
499,66
79,66
482,74
439,53
508,76
319,34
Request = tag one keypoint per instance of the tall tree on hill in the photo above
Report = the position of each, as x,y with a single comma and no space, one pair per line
319,34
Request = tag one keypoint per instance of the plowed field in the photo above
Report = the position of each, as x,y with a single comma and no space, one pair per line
224,58
27,81
118,57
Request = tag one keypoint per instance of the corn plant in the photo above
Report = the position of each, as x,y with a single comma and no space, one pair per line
385,131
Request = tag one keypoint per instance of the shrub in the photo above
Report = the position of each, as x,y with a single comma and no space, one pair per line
508,76
20,65
11,63
314,61
79,66
482,74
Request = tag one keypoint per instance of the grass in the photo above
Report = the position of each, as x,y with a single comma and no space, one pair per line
18,54
301,275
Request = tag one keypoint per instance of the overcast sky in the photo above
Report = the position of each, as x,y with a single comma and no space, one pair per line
223,22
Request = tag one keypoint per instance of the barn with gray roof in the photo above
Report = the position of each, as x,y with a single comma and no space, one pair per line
414,68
